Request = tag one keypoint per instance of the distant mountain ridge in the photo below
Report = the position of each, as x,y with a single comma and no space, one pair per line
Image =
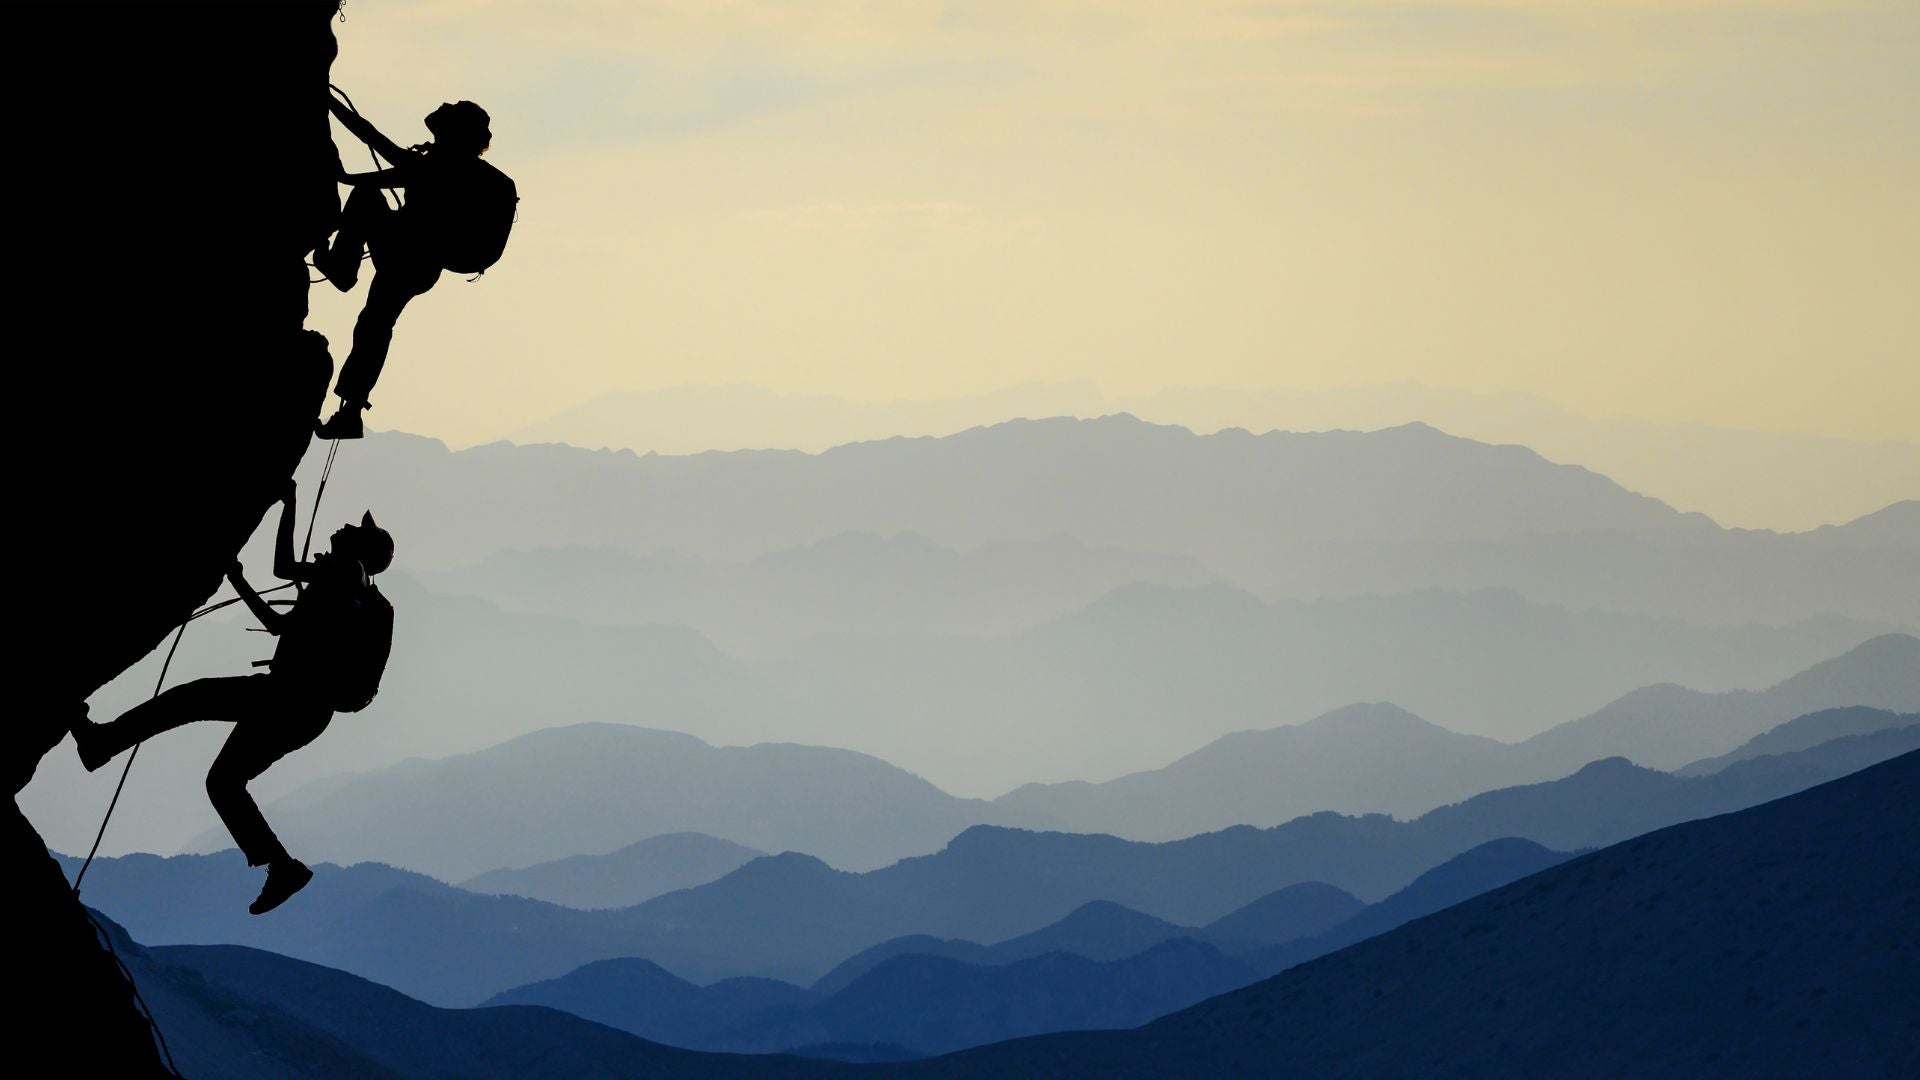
1744,479
1803,733
848,583
1653,957
792,917
637,872
1286,514
1103,966
1482,988
597,786
1379,758
1882,673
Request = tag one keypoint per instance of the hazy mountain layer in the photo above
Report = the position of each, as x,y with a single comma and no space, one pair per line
234,1013
1667,727
792,917
641,871
1103,966
1778,941
851,583
1286,514
1743,479
595,786
1805,732
1380,758
1129,684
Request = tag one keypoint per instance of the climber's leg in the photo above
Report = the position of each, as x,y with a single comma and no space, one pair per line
202,699
394,285
280,725
361,221
285,725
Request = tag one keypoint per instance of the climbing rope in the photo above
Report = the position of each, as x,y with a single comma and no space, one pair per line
371,154
146,1012
321,493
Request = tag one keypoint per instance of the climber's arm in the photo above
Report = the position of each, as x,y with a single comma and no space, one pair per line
385,178
272,620
366,132
285,566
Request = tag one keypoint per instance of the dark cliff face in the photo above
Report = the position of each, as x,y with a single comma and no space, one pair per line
170,165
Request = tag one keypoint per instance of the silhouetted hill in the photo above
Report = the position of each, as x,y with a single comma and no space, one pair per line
933,1004
235,1013
1288,514
1379,758
1097,930
1777,941
641,871
793,917
1896,525
596,786
1110,481
640,997
1296,911
852,582
1101,930
1131,683
1667,727
1359,759
1741,478
1466,875
1803,733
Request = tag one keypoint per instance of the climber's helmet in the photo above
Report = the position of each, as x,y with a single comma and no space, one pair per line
460,128
367,542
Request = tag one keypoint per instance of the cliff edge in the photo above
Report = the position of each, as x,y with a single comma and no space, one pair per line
173,165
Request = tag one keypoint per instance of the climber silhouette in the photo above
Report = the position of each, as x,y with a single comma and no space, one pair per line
456,216
333,647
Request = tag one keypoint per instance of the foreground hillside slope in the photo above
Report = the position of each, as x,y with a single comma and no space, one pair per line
1781,940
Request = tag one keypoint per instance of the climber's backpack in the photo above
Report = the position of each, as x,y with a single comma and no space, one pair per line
336,644
470,219
363,637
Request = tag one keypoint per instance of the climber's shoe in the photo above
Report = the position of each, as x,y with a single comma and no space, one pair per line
284,878
90,740
343,424
340,269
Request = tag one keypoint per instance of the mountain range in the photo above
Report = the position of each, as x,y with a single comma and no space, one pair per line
1103,966
1127,685
848,583
1284,514
1379,758
591,789
622,878
1748,479
792,917
1803,733
1540,976
1777,941
594,787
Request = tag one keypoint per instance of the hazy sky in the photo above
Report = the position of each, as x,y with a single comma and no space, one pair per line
1681,211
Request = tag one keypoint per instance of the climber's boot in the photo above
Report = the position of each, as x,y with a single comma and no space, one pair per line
90,739
342,268
284,878
345,423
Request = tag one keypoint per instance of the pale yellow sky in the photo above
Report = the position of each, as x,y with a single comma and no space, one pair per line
1678,211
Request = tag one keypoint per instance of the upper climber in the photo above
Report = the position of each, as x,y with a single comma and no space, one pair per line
333,648
457,212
